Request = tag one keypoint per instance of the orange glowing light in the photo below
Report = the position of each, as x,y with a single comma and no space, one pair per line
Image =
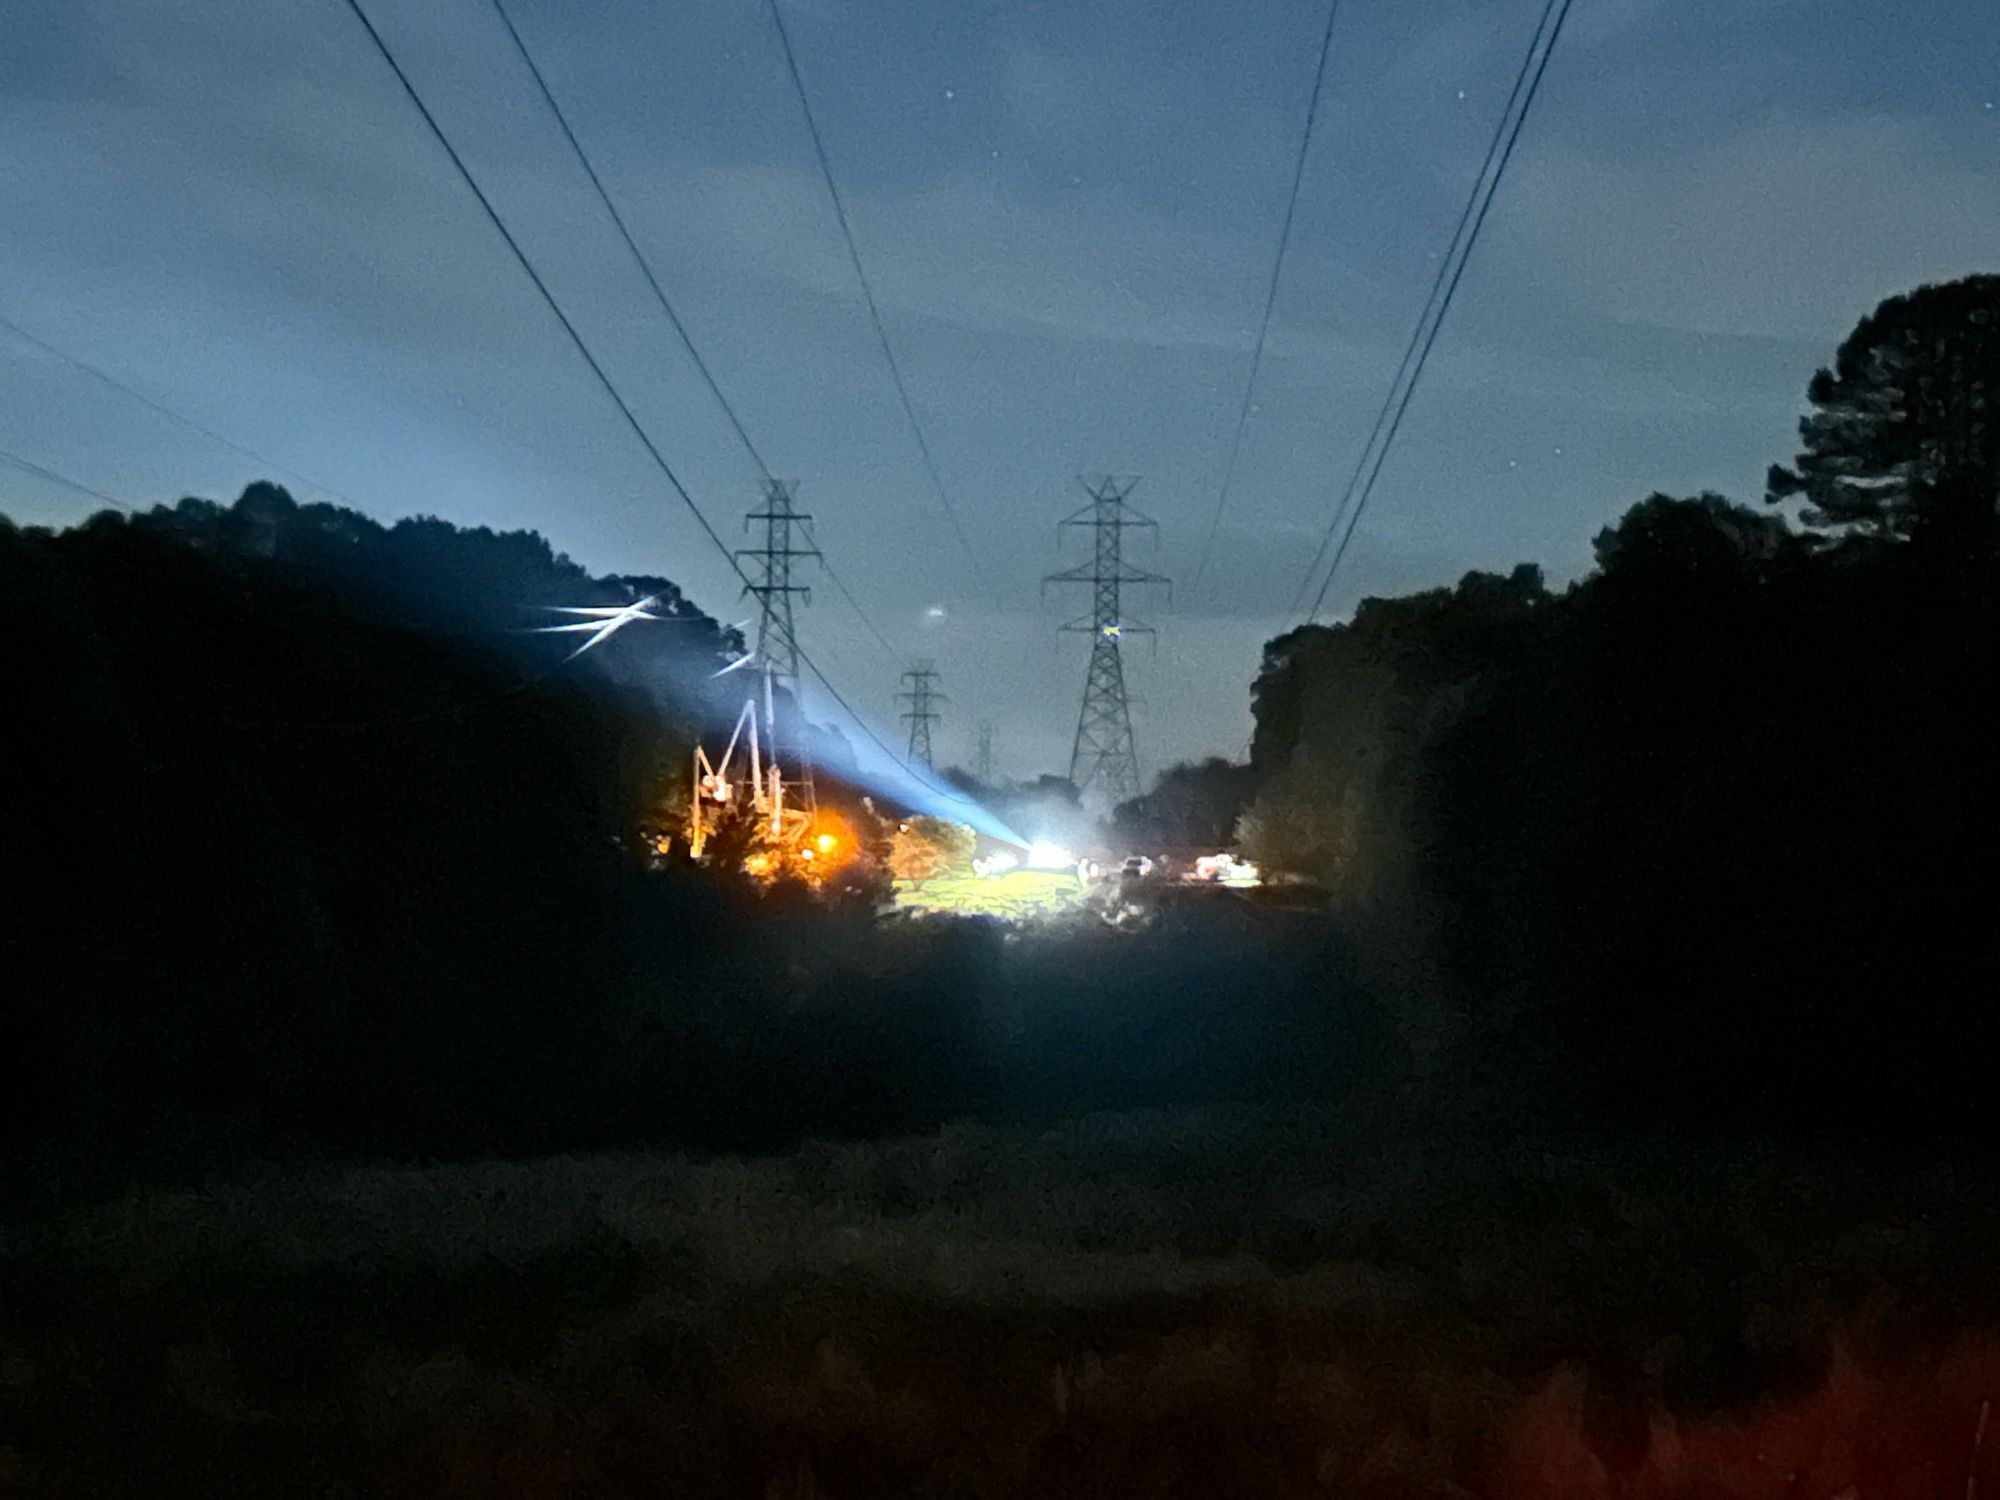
826,843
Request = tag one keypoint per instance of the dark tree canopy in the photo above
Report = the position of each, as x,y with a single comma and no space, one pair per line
1708,537
1193,805
1901,441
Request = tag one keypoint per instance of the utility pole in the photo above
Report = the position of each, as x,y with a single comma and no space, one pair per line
1103,758
921,693
771,581
983,766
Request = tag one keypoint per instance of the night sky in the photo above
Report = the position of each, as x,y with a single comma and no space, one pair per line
1069,211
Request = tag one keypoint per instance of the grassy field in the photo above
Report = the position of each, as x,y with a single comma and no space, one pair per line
1207,1304
1016,894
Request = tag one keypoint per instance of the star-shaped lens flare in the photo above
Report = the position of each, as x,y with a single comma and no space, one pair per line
602,621
742,661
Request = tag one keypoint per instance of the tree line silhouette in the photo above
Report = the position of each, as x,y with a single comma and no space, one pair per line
1706,836
296,815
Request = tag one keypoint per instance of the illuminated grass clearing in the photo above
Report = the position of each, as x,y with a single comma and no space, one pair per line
1016,894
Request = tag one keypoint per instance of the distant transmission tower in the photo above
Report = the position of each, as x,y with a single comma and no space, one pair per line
1104,759
983,766
771,582
921,693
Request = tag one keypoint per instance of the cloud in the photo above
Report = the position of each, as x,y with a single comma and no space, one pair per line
981,251
1788,229
1604,21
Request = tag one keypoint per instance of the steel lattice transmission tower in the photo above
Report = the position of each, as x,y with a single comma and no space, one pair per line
771,581
983,766
1104,758
920,691
754,779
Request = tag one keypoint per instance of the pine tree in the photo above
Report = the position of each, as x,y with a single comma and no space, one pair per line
1901,442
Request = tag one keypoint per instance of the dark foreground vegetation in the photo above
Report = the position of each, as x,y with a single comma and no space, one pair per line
1616,1126
1193,1304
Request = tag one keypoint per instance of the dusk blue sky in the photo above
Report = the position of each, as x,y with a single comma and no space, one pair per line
1069,211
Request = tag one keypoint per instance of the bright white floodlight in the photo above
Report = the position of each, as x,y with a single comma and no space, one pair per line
1043,854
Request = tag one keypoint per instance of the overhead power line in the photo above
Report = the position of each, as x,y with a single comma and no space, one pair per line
26,466
1389,421
541,286
166,411
1270,295
868,295
660,296
840,587
596,368
631,244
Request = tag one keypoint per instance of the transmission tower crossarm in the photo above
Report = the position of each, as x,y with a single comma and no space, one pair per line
1128,516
